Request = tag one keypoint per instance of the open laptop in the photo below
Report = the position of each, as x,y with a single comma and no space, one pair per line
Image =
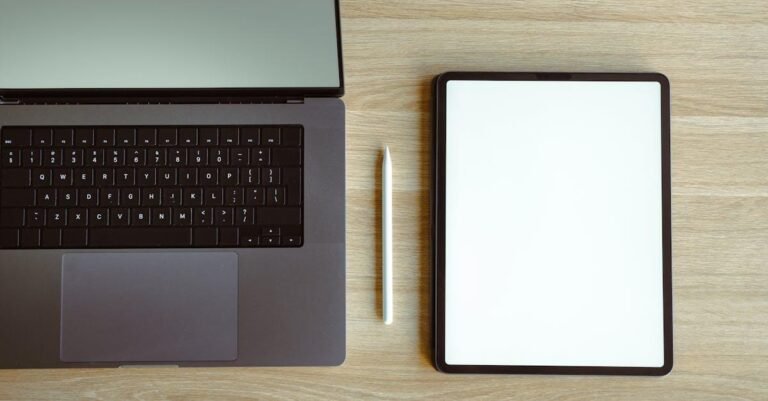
171,183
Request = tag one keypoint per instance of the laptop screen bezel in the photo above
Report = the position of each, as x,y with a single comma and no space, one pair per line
111,95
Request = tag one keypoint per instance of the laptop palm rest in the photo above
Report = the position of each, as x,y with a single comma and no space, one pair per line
149,307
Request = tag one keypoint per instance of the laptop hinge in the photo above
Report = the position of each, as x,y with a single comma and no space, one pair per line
9,101
32,100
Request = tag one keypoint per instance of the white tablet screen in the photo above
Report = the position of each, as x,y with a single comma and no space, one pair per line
553,248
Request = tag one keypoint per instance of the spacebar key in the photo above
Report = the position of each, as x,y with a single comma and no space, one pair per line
136,237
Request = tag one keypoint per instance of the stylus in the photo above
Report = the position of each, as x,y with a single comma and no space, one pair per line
386,237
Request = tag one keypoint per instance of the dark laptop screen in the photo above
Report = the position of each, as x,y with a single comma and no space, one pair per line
171,44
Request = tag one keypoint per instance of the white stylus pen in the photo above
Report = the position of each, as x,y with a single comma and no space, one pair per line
386,237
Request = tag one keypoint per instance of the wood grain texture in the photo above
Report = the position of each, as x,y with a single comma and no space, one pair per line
716,55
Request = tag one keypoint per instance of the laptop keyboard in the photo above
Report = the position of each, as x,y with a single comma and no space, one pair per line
151,187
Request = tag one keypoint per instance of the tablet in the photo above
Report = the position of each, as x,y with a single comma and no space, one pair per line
551,223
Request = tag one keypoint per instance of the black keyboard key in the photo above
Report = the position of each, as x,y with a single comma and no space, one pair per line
229,176
56,217
50,238
141,216
41,177
89,197
104,177
77,217
203,216
110,197
229,136
35,217
146,177
156,157
120,217
94,157
171,196
32,158
249,176
209,136
29,238
167,137
259,156
205,237
125,177
62,177
104,137
254,196
67,197
46,197
130,197
228,237
115,157
193,197
278,216
11,217
53,158
151,197
136,157
9,238
15,178
270,136
248,238
198,157
209,176
187,136
166,176
286,157
83,137
187,176
149,237
240,157
269,241
42,137
63,136
291,136
83,177
98,217
244,216
161,217
17,197
219,157
270,176
125,137
11,157
275,196
146,137
214,197
73,157
249,136
234,196
182,216
292,181
13,137
177,157
223,216
74,238
292,241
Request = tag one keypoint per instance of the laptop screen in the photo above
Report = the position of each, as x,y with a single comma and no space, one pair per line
170,44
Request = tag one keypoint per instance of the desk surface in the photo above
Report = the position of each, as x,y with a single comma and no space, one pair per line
716,56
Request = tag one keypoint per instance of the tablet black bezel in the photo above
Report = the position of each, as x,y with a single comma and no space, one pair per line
438,222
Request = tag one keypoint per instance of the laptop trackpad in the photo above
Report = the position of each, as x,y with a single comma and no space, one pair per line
149,307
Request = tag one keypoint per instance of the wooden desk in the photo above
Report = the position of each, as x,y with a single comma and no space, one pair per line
716,55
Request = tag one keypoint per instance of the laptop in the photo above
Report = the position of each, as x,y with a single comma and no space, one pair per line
171,183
